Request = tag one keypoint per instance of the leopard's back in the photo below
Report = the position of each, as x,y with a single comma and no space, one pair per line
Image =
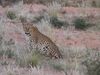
48,47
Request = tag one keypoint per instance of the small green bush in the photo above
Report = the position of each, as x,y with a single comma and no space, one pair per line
1,40
5,3
93,67
34,61
38,1
1,53
80,24
94,4
56,22
11,15
9,42
58,66
8,53
37,19
4,63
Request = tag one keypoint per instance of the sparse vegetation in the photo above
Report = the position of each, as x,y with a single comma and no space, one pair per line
8,53
1,40
58,66
54,8
45,2
1,53
80,24
92,62
37,19
11,15
30,59
34,60
94,4
56,22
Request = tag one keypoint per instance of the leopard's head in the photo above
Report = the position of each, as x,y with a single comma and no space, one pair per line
28,27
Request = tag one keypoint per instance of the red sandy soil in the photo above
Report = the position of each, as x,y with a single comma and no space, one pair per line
78,38
78,11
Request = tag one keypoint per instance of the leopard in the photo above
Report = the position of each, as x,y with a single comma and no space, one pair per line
41,42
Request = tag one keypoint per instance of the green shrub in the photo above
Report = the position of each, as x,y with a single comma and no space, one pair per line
1,53
58,66
80,24
1,40
11,15
5,3
30,59
56,22
37,19
9,42
94,4
34,60
39,1
8,53
93,67
4,63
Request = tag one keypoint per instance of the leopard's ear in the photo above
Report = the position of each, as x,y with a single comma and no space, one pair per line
34,27
24,22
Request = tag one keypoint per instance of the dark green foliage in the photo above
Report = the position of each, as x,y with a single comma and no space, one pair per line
93,67
56,22
1,53
4,63
1,40
37,1
58,66
94,4
37,19
5,3
8,53
36,59
80,24
9,42
32,59
11,15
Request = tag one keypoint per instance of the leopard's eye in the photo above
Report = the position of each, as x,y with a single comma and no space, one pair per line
27,33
